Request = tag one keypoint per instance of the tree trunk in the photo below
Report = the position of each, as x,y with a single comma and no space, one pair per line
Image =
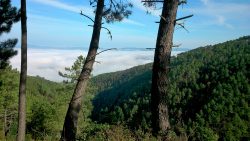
161,67
71,119
23,75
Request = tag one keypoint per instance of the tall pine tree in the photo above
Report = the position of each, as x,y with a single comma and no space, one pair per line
161,64
111,11
23,76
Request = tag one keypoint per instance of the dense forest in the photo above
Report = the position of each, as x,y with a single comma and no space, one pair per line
209,94
208,100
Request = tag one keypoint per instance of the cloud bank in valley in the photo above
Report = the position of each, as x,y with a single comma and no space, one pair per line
47,63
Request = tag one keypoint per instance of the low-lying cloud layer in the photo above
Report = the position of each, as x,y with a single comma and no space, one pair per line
47,63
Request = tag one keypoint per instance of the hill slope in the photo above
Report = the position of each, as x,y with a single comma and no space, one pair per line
46,102
208,100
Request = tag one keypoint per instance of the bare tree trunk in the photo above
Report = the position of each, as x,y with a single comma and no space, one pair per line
161,67
71,119
23,76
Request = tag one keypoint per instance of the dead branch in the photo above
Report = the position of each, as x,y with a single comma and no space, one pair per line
184,18
182,26
109,32
87,17
172,46
105,51
163,18
98,62
92,58
150,48
176,45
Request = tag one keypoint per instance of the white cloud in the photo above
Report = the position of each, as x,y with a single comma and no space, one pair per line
222,13
72,8
222,21
205,2
128,21
47,63
64,6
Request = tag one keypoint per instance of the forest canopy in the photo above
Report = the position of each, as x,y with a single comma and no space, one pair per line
209,99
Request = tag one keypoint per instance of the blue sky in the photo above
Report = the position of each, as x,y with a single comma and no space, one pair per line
58,24
57,33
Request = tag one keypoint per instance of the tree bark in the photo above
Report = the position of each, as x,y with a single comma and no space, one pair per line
161,67
23,76
71,119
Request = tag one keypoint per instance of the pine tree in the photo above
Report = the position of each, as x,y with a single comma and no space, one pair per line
72,73
111,11
161,64
23,76
8,16
8,97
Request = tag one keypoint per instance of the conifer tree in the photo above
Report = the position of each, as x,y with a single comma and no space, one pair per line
8,16
111,11
23,76
161,64
72,73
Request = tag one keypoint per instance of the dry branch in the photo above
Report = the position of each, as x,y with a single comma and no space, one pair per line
106,50
87,17
184,18
109,32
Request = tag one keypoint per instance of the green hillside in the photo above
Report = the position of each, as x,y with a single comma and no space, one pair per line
46,103
208,100
110,80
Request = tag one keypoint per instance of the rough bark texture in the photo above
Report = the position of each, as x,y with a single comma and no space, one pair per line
23,76
71,119
161,67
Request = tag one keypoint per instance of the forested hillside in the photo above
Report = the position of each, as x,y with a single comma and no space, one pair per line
209,99
209,94
47,102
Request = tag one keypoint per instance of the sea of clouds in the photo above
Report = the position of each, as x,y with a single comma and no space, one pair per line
47,62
